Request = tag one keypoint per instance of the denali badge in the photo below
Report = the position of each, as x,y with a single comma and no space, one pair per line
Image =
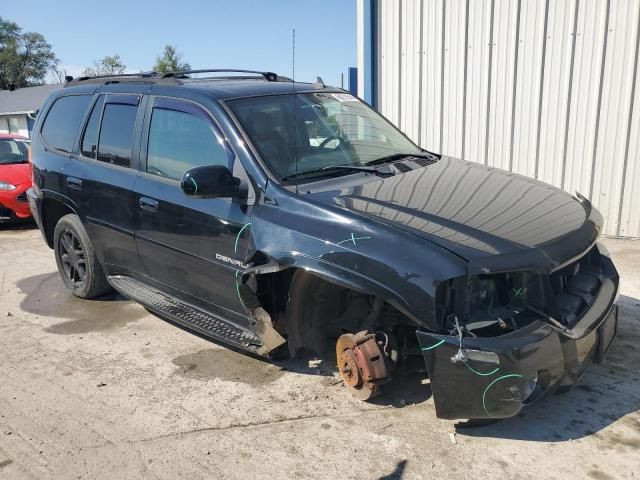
232,261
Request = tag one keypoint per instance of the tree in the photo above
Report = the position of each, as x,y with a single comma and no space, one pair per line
59,75
109,65
170,61
25,58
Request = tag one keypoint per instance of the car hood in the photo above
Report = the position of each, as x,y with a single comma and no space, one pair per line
495,220
16,173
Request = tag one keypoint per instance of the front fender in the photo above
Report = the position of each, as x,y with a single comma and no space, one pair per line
354,252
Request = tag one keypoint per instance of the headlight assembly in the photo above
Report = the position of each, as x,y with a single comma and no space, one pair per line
6,186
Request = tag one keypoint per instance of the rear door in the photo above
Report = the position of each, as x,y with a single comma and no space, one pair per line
194,246
103,175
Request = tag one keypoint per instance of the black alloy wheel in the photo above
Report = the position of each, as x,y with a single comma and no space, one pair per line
72,258
76,258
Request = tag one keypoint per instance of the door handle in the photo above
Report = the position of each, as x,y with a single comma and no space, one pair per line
148,204
74,183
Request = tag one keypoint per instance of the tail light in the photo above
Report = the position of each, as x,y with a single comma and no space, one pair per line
30,160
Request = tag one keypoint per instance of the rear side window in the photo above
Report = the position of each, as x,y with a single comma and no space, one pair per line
90,140
63,120
116,133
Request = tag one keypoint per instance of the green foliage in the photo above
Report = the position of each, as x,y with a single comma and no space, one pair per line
109,65
170,61
25,58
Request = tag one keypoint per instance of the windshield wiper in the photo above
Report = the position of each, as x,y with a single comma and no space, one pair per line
399,156
319,171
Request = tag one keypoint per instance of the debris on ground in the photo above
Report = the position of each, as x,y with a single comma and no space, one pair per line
101,384
315,363
452,437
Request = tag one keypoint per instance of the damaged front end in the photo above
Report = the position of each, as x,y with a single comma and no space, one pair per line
513,337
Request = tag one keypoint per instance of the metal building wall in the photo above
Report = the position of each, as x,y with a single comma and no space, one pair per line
545,88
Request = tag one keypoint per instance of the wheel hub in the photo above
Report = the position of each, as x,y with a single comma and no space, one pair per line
361,364
348,365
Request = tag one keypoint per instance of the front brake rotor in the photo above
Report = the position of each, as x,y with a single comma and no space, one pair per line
361,364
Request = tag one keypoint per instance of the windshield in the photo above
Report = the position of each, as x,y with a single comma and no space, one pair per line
14,151
307,132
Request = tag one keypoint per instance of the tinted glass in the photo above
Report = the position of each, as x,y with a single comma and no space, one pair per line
14,151
90,139
314,130
179,141
116,134
63,120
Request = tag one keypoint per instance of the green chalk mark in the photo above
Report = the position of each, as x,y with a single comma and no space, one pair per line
480,373
433,346
352,239
235,247
484,394
238,289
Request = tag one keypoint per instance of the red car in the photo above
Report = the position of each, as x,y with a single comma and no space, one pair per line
15,177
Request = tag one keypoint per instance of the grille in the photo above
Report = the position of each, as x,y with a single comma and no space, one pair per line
5,213
22,197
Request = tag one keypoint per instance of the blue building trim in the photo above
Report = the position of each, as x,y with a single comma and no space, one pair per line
370,53
353,80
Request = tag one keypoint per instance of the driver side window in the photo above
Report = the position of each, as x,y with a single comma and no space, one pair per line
180,140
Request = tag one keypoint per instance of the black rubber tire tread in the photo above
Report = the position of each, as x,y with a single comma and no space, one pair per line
306,317
95,283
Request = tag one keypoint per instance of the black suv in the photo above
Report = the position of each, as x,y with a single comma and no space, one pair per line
286,217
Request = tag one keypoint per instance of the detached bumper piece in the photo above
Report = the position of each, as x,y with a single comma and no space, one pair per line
495,377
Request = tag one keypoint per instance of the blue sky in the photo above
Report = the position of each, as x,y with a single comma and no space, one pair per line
247,34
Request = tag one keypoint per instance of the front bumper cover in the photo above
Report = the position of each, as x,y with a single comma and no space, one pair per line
13,204
497,376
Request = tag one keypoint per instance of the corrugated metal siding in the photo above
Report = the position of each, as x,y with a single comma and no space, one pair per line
545,88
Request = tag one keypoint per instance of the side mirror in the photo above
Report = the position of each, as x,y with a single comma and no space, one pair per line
210,181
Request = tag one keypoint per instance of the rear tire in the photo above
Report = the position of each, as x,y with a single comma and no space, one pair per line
77,263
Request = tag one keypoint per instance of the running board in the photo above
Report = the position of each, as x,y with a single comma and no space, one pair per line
184,314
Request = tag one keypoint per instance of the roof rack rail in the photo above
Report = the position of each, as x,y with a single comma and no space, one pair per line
146,77
269,76
140,74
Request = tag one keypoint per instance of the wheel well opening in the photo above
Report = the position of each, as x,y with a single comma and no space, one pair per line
52,212
312,313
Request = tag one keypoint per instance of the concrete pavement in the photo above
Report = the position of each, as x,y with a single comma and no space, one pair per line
103,389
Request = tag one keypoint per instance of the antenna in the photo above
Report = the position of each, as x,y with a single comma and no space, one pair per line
293,98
